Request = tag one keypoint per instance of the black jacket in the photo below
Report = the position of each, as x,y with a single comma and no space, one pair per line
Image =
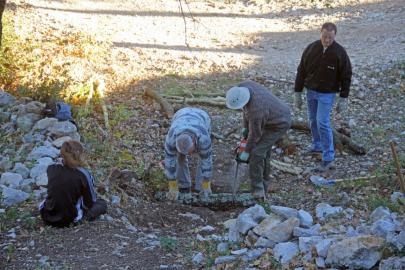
324,72
65,187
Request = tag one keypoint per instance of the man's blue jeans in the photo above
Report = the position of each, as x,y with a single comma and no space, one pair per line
319,109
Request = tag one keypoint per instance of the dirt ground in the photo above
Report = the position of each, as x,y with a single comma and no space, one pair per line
237,40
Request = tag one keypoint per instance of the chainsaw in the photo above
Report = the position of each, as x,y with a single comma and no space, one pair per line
238,151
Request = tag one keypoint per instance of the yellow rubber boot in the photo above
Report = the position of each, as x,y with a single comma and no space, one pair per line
173,192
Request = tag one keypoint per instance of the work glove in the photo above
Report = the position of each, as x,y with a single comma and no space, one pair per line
341,106
298,100
245,132
173,192
206,192
244,156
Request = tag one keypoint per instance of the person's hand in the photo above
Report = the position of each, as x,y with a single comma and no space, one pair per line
244,156
245,132
206,192
298,100
173,192
341,106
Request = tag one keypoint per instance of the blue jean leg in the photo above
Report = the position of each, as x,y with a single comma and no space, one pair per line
319,109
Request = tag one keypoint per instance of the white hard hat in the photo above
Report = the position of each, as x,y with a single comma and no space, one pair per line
237,97
184,143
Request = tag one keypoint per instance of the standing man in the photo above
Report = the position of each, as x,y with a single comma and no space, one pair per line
189,133
265,119
2,7
324,70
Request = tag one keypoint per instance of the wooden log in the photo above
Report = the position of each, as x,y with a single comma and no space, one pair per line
165,106
398,167
338,137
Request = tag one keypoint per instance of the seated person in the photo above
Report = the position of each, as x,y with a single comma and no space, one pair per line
71,194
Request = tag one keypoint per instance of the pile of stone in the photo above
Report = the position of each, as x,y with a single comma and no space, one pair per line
34,144
291,235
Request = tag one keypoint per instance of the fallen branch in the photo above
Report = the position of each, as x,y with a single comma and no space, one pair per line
166,107
286,167
398,166
216,101
339,138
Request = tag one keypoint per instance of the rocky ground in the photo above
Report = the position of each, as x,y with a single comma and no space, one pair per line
249,39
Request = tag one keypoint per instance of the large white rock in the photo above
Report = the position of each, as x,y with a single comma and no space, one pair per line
43,151
380,213
6,100
59,141
13,196
305,244
25,122
303,232
45,161
250,218
382,227
323,246
305,218
266,224
285,252
44,123
285,212
361,252
34,107
21,169
283,231
11,179
37,170
324,210
62,128
42,180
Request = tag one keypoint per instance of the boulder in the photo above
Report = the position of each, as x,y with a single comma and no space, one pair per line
303,232
283,231
284,212
361,252
62,128
59,141
263,242
45,123
305,218
305,244
37,170
380,213
11,196
34,107
21,169
42,180
324,210
43,151
5,164
25,122
323,246
11,179
285,252
253,254
382,227
6,100
267,224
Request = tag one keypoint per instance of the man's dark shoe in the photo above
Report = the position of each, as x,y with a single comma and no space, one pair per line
326,166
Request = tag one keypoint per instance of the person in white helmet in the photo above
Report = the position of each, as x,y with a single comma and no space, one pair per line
265,120
189,133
